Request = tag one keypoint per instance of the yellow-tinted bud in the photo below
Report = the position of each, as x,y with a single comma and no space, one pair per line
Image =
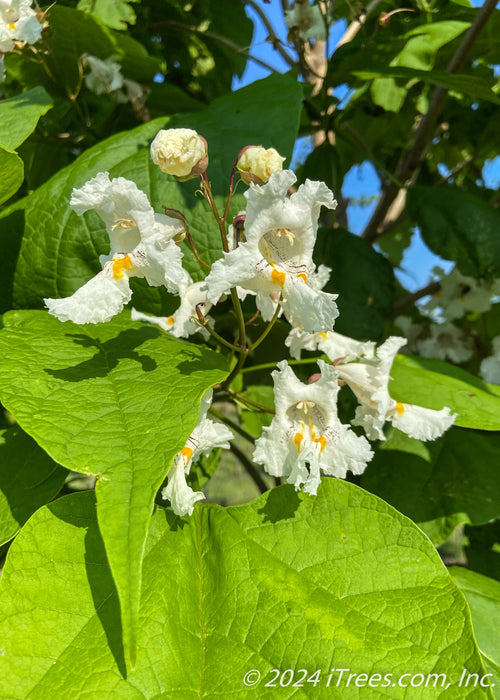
180,152
256,164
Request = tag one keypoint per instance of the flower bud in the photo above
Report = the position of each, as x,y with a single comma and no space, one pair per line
180,152
176,214
256,164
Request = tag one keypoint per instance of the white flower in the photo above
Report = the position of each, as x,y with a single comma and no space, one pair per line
460,294
490,366
18,22
446,341
369,380
105,78
256,164
411,331
141,245
307,20
105,75
180,152
180,323
306,437
333,344
205,437
100,298
277,255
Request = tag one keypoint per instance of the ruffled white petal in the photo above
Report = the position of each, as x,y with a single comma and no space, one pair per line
421,423
369,380
308,308
97,301
335,346
181,496
180,323
206,436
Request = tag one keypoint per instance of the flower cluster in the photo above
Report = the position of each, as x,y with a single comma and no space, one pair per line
268,255
18,23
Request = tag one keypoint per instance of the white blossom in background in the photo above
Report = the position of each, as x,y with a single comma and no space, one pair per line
331,343
307,20
181,324
490,366
180,152
256,164
460,294
105,78
305,437
412,331
18,22
446,341
141,245
369,378
205,437
276,257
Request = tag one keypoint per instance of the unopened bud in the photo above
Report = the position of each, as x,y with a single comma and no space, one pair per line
199,313
239,228
176,214
314,378
180,152
256,164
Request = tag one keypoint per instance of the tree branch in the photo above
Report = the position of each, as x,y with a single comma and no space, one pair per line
276,42
401,304
356,25
217,37
250,468
413,155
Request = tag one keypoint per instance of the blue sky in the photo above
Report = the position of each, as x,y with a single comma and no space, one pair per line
361,181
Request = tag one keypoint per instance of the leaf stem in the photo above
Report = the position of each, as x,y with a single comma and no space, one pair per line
272,365
267,330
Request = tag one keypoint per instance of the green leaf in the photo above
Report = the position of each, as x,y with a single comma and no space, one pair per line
434,384
363,279
289,581
116,14
137,64
471,85
29,478
11,234
117,400
458,226
439,484
425,41
60,250
19,116
74,33
483,596
12,169
483,549
395,242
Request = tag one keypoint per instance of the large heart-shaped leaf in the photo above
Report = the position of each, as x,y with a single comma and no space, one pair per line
117,400
439,484
458,226
289,581
483,596
19,116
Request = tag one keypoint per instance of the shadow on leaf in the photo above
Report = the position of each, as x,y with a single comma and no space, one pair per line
108,354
